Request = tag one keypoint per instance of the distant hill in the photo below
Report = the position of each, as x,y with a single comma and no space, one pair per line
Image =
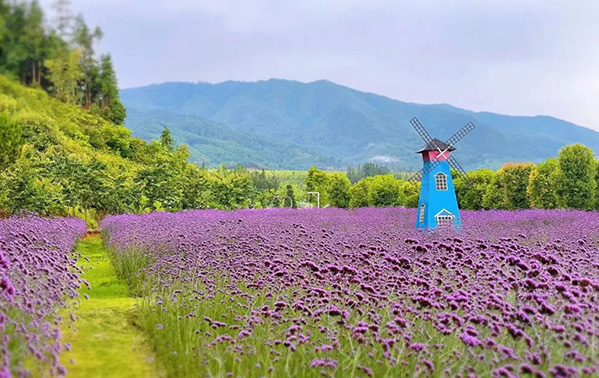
292,125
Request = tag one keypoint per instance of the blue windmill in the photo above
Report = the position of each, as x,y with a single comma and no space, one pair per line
438,205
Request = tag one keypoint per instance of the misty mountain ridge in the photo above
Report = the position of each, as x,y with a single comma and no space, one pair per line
283,124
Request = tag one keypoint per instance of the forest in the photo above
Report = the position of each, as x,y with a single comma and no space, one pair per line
64,150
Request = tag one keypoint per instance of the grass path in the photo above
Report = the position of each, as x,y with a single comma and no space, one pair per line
105,341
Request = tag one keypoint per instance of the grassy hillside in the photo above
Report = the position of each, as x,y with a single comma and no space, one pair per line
344,125
58,159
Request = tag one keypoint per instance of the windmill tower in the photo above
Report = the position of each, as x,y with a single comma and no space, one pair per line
438,206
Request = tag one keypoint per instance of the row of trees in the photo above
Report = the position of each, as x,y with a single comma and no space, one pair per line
60,57
568,181
58,182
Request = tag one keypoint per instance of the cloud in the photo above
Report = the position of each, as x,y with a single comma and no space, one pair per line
384,159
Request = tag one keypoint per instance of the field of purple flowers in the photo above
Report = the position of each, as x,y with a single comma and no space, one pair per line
360,293
38,276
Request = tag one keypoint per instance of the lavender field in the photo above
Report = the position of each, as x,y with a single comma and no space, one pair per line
360,293
38,276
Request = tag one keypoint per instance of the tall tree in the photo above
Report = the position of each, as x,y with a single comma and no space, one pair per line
576,182
515,178
290,193
65,74
542,185
317,181
166,139
34,40
85,40
339,190
360,193
111,107
493,197
470,196
385,191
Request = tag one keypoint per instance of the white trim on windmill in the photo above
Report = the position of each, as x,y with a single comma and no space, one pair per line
444,218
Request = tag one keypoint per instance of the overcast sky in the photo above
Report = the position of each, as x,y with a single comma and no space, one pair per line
522,57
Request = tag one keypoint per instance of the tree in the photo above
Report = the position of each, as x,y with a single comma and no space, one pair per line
470,195
232,188
84,40
339,187
411,193
317,181
65,74
263,181
291,195
197,191
360,193
515,178
576,183
111,107
166,139
34,39
493,197
10,140
385,191
369,169
542,185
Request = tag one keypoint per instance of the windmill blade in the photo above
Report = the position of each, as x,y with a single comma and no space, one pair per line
453,163
460,134
425,171
421,130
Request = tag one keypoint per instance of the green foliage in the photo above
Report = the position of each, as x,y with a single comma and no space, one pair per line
360,193
166,139
11,134
542,185
368,169
471,196
111,107
318,181
411,193
58,58
232,189
514,182
339,188
576,177
385,191
493,197
65,74
290,193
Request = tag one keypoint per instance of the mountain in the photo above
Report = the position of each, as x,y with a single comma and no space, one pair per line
293,125
214,143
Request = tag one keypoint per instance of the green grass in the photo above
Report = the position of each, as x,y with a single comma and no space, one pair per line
105,339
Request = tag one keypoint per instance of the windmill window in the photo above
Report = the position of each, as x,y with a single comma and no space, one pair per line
441,181
444,220
421,216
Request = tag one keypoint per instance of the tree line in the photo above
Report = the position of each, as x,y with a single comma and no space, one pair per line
569,181
58,57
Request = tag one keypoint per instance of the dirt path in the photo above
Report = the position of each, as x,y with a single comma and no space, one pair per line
106,343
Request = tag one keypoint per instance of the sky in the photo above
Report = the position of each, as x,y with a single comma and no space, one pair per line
519,57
